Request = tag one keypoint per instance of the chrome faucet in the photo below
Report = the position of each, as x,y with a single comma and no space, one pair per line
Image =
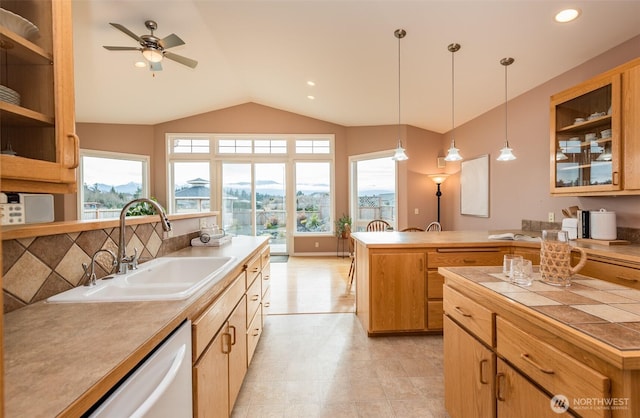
90,279
124,262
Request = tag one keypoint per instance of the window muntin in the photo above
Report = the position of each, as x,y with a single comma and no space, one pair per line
234,146
186,145
108,181
313,146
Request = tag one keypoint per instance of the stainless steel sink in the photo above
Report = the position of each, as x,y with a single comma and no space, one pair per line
164,278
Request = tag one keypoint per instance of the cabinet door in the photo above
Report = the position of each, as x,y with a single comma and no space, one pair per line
631,128
519,398
586,136
469,369
398,291
211,377
42,127
238,354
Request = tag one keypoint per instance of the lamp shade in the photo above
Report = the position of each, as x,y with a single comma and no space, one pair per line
438,178
399,155
152,54
453,154
506,153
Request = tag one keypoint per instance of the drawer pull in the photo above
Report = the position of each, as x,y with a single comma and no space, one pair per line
499,379
255,297
627,279
255,270
233,336
482,379
256,332
525,357
463,313
266,277
267,304
226,348
468,260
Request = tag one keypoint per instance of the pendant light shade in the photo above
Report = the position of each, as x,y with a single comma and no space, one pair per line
453,154
506,153
399,155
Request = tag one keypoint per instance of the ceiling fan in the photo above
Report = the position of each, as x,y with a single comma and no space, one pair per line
153,48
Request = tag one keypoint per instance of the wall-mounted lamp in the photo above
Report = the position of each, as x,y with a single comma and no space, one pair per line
438,179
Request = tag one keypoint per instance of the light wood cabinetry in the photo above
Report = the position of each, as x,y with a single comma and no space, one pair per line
469,374
625,273
42,128
225,337
535,361
517,397
453,257
594,135
398,291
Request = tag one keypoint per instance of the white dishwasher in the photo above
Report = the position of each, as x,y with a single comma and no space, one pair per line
159,387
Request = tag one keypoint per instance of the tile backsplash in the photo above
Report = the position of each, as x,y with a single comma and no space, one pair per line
39,267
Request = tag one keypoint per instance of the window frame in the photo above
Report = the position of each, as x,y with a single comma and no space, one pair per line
146,170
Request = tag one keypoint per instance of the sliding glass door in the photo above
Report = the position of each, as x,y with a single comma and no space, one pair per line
373,190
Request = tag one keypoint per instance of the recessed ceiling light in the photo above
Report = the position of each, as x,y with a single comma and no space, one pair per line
567,15
311,83
310,97
140,64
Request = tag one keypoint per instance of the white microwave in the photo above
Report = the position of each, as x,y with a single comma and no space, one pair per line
26,208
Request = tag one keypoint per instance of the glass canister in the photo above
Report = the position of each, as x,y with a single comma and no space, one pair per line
555,258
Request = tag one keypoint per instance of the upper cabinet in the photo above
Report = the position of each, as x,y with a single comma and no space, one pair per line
37,110
595,135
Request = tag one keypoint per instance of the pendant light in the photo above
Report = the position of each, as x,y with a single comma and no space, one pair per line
399,154
506,153
454,153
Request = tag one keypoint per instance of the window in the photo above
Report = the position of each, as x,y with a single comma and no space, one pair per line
313,197
191,191
313,146
181,145
252,146
373,185
109,180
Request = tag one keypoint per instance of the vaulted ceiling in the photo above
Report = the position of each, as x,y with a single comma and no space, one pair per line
265,51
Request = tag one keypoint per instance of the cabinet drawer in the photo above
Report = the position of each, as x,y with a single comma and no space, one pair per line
435,283
254,297
265,257
614,273
266,302
552,369
451,257
471,315
254,332
435,314
253,269
207,325
266,278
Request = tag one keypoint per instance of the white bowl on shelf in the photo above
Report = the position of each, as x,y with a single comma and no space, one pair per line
18,24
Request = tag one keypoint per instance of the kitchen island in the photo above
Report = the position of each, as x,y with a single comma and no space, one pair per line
537,351
61,358
400,290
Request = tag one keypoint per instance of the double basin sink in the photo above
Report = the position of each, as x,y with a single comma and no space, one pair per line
164,278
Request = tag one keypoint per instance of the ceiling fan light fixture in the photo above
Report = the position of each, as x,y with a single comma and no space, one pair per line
152,54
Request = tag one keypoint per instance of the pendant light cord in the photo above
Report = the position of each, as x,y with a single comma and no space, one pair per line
399,36
453,96
506,137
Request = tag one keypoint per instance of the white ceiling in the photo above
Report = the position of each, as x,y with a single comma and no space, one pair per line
265,51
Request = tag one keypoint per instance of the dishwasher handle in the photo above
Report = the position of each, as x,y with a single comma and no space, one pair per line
167,380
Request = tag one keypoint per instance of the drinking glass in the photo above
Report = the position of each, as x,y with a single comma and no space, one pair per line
506,263
521,272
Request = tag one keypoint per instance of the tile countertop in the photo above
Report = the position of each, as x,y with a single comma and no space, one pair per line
396,239
62,358
607,313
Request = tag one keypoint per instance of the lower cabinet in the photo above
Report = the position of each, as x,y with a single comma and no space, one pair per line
621,272
210,378
469,374
517,397
493,368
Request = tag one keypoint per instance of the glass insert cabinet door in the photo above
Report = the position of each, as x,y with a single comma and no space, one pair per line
585,138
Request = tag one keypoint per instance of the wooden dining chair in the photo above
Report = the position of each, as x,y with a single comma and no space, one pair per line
412,229
379,225
434,227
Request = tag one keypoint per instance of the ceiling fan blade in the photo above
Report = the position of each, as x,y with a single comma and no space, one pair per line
171,41
155,66
182,60
121,48
127,31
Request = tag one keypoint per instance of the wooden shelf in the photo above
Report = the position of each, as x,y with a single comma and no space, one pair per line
17,46
14,115
586,125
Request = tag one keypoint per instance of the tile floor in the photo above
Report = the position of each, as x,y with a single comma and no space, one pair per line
323,365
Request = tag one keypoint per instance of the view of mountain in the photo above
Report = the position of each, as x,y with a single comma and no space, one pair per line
129,188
